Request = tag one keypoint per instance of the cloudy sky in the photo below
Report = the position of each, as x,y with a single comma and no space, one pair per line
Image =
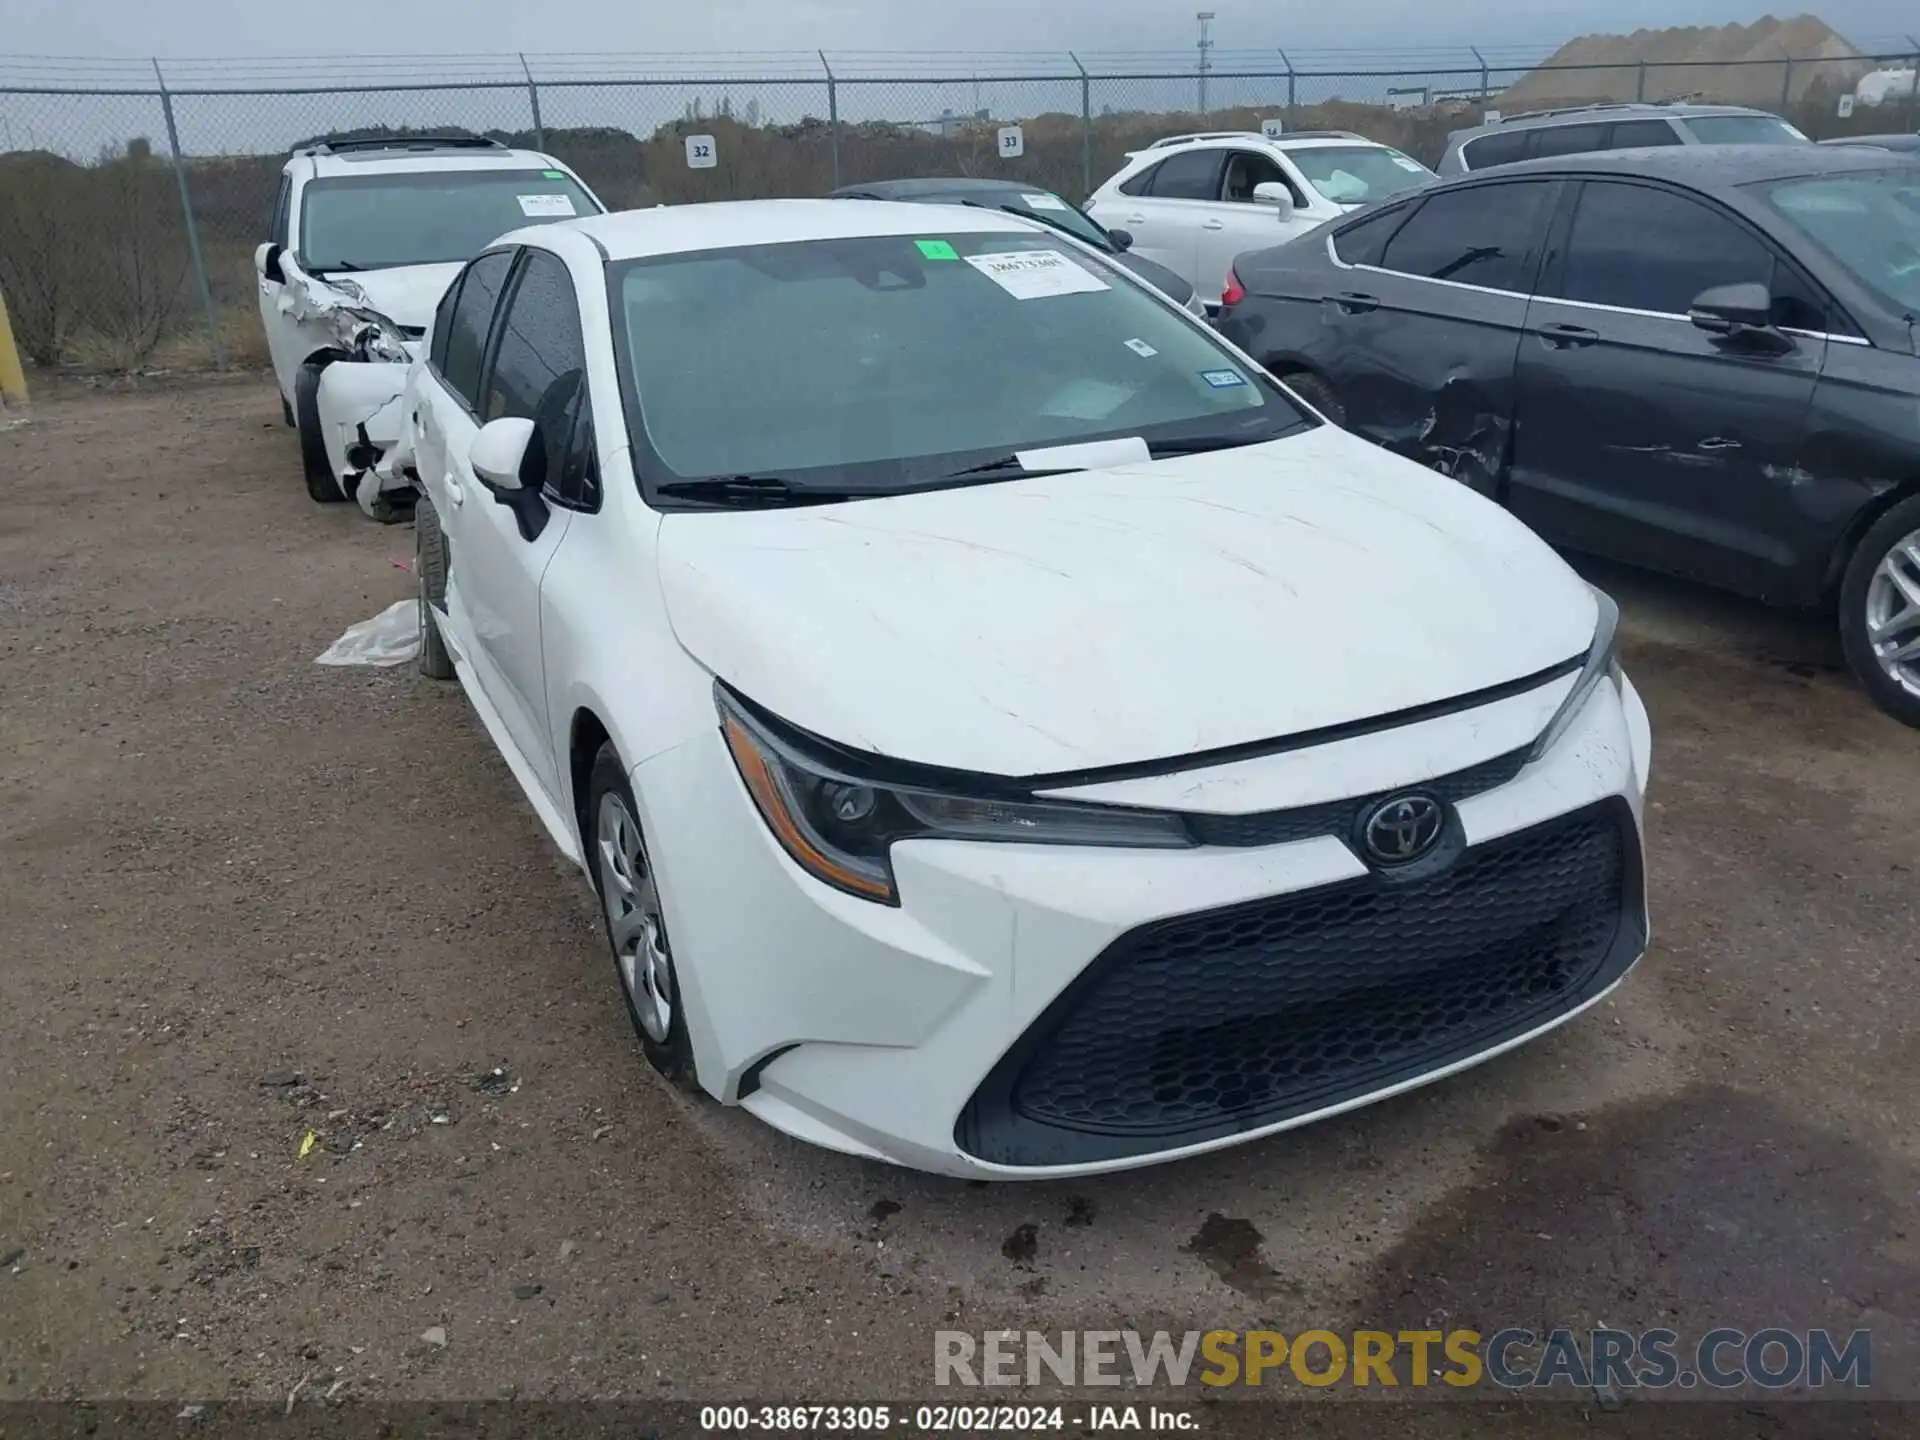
196,28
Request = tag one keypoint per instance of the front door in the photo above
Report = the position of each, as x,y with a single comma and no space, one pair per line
1642,436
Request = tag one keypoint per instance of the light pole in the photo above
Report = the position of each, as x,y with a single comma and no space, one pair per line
1205,17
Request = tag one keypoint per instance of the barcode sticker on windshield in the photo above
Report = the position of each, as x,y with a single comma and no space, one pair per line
1407,164
1036,274
1142,348
1223,379
543,206
1044,202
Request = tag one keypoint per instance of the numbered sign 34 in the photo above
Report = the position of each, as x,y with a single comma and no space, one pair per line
1273,129
702,153
1013,142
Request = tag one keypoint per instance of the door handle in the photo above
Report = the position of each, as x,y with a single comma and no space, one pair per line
1213,225
1567,337
1352,302
456,492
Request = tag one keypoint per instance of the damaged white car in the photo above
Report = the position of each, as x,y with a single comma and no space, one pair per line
366,236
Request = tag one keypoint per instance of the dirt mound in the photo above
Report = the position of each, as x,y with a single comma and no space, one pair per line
1733,64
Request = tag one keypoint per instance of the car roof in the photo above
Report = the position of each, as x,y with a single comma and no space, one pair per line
1705,167
935,185
723,224
401,160
1607,110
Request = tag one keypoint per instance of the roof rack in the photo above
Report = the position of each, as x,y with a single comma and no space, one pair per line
401,142
1163,143
1322,135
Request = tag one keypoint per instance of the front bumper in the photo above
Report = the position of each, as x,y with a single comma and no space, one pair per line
362,405
956,1033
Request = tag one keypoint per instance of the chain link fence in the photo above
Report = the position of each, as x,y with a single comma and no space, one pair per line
130,211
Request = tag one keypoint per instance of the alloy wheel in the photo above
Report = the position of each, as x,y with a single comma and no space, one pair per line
1893,613
634,922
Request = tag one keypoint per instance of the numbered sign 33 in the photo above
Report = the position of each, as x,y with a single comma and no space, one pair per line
1013,142
702,153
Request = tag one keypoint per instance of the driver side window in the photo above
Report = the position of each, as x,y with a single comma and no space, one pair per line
1246,169
539,373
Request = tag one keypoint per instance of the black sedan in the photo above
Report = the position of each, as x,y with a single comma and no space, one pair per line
1699,359
1034,204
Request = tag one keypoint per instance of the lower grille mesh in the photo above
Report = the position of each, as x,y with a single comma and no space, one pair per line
1221,1022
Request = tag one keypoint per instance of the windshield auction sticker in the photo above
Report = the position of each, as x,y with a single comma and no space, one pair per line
1036,274
545,205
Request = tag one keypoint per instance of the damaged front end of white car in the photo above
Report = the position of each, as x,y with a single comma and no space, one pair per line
359,398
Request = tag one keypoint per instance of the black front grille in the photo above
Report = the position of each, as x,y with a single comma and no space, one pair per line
1342,817
1207,1025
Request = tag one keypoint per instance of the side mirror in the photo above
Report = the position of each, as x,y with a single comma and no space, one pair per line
1272,192
267,261
498,452
1728,309
1122,240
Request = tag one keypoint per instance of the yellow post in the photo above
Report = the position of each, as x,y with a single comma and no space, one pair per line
13,378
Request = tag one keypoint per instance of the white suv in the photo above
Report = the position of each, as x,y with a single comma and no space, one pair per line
366,235
1193,202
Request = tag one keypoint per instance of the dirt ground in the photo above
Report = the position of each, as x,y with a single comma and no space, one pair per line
244,898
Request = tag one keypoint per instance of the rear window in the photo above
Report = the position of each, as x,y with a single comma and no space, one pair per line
1639,134
1485,235
1744,130
1499,148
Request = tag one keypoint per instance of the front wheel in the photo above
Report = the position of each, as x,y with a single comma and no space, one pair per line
1880,612
430,573
629,890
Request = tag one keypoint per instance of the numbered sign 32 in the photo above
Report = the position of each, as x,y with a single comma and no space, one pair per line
702,153
1013,142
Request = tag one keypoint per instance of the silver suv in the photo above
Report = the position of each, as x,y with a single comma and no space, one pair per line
1583,129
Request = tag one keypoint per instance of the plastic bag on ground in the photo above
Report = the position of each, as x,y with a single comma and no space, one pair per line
390,638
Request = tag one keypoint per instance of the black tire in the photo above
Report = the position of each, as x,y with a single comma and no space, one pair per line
322,484
430,571
286,412
666,1046
1317,393
1898,528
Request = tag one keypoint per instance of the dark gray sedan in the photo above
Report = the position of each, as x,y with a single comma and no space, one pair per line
1033,204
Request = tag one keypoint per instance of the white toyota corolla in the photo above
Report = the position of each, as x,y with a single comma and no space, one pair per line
1009,734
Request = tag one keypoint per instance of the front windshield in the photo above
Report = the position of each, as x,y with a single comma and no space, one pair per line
1869,221
886,362
1743,130
1358,174
426,217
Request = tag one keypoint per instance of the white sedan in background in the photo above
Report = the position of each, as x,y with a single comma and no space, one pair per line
1008,733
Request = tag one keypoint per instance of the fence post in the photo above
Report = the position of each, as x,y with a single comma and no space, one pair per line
1086,127
1786,85
1291,92
1486,87
533,101
1913,86
833,116
193,230
1640,84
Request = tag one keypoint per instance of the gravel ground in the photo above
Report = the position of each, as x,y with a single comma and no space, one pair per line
246,899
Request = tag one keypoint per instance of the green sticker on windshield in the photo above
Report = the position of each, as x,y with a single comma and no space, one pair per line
937,250
553,174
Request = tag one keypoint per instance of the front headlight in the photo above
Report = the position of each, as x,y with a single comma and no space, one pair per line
839,828
369,335
1603,662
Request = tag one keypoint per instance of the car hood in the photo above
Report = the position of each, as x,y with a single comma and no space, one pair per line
405,294
1108,617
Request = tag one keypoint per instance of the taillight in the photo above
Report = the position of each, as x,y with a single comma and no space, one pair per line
1233,292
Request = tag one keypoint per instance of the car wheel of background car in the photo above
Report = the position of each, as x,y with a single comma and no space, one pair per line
286,412
636,927
1880,612
1317,393
430,571
322,484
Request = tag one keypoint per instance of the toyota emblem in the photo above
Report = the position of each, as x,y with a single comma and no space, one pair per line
1402,828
